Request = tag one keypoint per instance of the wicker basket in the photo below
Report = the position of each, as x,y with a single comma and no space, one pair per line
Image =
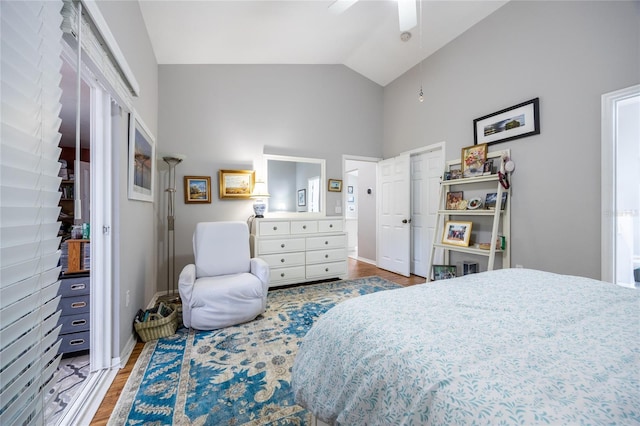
157,326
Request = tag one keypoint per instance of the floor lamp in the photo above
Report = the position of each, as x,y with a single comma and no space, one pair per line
172,161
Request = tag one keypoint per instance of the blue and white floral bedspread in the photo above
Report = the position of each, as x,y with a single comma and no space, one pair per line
508,347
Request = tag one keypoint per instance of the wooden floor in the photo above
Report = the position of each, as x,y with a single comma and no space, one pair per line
356,270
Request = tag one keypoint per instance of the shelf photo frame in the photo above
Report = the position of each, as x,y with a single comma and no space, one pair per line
511,123
141,161
473,159
457,233
443,272
197,189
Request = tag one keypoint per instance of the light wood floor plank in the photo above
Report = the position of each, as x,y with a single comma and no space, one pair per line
356,270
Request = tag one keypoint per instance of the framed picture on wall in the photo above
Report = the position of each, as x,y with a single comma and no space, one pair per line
197,189
335,185
141,161
508,124
236,184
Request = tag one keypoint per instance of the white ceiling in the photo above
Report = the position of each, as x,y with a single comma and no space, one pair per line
365,38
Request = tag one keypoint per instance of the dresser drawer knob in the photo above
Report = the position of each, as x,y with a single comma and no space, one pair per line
304,226
282,274
326,242
275,228
331,225
282,260
76,342
78,322
282,245
326,269
326,256
76,305
79,286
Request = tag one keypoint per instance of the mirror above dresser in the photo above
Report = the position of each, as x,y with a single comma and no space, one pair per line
296,185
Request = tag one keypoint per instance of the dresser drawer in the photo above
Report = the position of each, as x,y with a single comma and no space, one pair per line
326,242
273,228
304,227
291,274
334,225
74,286
74,342
327,270
280,245
284,259
320,256
74,323
74,305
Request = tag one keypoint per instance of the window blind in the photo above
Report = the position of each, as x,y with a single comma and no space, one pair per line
30,103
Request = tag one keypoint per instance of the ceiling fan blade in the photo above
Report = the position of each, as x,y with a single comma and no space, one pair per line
340,6
407,14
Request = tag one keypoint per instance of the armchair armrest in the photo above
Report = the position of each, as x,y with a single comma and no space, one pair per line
260,268
185,286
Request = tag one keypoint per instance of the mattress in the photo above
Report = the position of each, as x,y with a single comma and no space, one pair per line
512,346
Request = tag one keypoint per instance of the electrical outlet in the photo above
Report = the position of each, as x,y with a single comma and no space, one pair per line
127,298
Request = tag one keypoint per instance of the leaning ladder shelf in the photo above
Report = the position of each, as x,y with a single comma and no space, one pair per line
500,225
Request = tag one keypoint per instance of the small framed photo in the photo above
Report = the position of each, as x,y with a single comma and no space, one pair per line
443,272
455,172
457,233
197,189
473,158
508,124
469,267
302,197
335,185
487,169
349,189
453,200
236,184
491,199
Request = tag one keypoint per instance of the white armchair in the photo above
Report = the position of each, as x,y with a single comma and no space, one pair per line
225,286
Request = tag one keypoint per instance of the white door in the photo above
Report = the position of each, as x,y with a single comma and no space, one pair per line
426,170
394,215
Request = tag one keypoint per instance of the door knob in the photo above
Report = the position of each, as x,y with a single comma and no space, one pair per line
404,221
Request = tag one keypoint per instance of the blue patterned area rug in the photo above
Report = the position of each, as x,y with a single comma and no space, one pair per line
238,375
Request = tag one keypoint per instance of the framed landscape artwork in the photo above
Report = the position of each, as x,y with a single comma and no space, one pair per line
141,164
197,189
236,184
508,124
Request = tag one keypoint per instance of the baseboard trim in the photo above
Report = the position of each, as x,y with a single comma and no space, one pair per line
365,260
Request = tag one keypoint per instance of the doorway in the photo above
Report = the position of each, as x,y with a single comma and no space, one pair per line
621,187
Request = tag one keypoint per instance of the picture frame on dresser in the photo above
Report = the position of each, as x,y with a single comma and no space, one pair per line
302,197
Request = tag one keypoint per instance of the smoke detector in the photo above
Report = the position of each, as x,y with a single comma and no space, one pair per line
405,36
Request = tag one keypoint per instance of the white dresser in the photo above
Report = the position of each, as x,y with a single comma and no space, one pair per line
300,250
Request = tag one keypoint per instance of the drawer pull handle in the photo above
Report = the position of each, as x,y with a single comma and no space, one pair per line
76,341
282,245
326,242
304,226
78,286
326,269
78,322
275,228
326,256
282,260
331,225
282,274
76,305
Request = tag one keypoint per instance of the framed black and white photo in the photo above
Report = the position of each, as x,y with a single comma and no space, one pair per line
508,124
141,161
302,197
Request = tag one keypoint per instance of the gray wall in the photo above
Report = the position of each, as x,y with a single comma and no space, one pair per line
227,116
566,53
134,230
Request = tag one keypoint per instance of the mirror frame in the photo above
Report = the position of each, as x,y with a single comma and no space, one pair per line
323,192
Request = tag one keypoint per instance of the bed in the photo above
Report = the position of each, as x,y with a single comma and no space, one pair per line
512,346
